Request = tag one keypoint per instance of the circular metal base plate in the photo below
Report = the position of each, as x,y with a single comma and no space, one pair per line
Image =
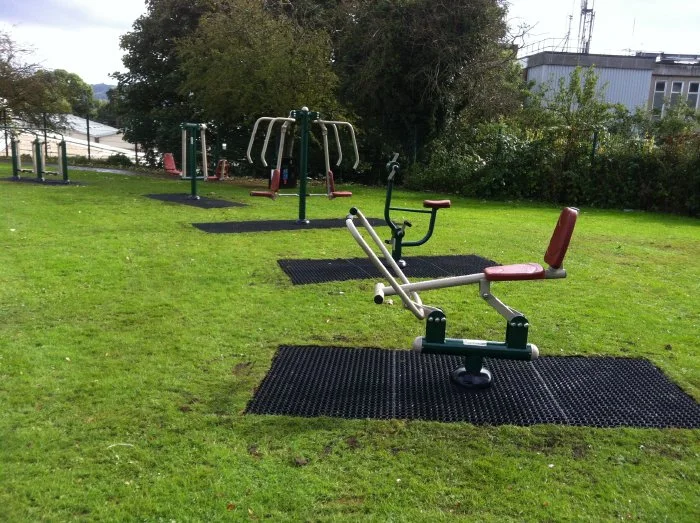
469,380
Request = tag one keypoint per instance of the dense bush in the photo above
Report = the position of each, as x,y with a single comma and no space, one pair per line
580,151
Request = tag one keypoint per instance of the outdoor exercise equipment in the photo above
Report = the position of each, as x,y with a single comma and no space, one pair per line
194,143
38,157
304,118
398,232
194,137
169,165
515,347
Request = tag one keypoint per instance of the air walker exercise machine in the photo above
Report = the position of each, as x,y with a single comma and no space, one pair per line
38,158
515,347
398,232
304,118
194,135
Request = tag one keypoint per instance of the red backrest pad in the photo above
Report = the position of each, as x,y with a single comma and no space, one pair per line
330,181
169,162
275,182
222,168
561,237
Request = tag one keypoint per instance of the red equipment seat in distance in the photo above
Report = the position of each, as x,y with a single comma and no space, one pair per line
169,164
274,187
331,188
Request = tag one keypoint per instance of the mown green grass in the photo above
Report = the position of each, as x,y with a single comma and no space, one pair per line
131,342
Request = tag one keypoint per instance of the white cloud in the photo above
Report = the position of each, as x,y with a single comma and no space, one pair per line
80,36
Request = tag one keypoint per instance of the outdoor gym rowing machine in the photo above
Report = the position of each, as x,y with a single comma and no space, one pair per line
472,374
398,232
304,117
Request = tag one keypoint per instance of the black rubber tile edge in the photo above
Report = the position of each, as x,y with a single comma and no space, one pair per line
308,271
203,202
310,381
275,225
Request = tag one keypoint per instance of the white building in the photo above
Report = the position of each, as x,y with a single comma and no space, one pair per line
648,80
105,141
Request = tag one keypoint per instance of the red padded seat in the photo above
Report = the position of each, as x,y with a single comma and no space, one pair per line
267,194
332,193
515,272
437,204
561,237
169,164
274,187
222,170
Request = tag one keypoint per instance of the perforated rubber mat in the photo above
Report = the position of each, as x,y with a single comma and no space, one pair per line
311,381
276,225
304,271
48,181
202,202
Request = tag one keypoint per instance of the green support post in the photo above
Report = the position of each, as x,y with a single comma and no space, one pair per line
304,117
191,152
63,160
14,146
39,157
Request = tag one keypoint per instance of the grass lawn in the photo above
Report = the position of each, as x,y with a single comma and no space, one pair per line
131,342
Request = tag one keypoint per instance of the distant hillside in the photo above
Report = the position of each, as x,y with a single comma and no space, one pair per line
100,91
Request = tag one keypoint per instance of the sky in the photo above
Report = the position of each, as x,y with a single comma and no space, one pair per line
82,36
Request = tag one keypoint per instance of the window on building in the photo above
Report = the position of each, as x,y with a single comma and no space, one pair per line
693,88
659,94
676,89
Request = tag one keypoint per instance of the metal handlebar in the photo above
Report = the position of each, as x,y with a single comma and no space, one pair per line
413,302
323,123
352,135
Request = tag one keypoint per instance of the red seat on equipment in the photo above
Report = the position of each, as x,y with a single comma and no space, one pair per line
437,204
169,164
274,187
515,272
222,170
554,256
332,193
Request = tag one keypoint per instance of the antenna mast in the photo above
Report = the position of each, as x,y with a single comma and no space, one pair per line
585,26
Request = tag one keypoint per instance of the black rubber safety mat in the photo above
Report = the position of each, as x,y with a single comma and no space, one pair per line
304,271
277,225
311,381
48,181
202,202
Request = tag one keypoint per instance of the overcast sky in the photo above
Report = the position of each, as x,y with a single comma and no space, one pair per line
82,36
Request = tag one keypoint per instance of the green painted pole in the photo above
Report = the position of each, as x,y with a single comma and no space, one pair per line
190,166
39,158
304,162
14,146
64,160
192,163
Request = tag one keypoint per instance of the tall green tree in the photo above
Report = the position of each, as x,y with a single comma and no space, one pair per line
66,93
150,102
24,94
245,61
408,67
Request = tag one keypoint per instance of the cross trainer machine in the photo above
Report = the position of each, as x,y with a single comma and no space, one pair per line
515,347
304,118
38,158
398,232
194,135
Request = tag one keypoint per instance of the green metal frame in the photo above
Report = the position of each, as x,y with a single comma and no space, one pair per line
398,232
190,167
303,117
38,160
